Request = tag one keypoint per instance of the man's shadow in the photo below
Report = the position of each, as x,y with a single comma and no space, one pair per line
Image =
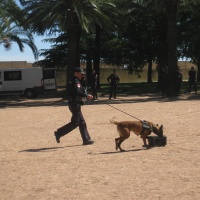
46,149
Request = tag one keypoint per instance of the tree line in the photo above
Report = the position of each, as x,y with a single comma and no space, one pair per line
128,32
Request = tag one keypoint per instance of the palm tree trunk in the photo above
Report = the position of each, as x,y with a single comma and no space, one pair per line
149,75
73,57
198,71
171,6
97,54
162,48
88,61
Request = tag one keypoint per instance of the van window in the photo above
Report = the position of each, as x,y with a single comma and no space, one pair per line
0,75
12,75
48,73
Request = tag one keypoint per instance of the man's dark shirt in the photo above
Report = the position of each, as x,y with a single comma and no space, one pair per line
93,79
192,75
76,91
114,79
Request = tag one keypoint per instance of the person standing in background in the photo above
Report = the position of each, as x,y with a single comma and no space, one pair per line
93,80
192,79
113,80
179,78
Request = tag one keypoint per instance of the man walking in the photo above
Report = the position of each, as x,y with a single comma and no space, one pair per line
75,101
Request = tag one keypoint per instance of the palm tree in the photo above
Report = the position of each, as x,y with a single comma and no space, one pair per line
70,17
172,9
11,34
110,21
161,26
11,29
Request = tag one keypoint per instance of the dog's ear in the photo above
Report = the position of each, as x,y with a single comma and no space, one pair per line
161,127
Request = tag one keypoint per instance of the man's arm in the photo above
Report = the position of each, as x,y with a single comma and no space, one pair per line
81,92
108,79
118,79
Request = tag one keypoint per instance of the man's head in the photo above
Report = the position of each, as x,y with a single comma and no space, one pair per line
79,73
114,71
192,68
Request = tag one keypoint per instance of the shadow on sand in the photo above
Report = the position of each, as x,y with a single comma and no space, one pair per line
115,152
47,149
10,102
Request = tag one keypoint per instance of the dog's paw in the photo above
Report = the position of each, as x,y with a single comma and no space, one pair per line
146,146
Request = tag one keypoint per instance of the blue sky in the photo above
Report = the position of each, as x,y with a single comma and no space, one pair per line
14,54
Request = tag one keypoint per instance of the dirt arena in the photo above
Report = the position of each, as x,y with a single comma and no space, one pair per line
34,167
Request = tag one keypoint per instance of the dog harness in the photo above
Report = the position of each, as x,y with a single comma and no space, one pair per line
145,126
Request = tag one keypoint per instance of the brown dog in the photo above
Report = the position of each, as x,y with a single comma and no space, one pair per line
142,128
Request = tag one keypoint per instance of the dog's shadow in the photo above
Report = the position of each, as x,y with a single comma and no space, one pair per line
125,151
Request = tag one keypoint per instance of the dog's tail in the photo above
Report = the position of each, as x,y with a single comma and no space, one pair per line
113,121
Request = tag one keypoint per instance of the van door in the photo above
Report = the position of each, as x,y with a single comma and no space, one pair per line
49,79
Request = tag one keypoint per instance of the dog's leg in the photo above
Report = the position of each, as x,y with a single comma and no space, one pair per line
116,143
144,138
124,133
119,145
117,140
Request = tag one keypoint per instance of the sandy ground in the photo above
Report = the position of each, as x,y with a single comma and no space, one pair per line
34,167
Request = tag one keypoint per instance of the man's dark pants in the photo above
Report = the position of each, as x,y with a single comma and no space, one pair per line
190,86
94,91
77,120
113,90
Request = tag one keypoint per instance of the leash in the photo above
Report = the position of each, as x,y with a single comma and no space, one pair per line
145,124
124,112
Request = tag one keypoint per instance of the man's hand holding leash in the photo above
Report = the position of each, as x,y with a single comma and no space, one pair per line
89,97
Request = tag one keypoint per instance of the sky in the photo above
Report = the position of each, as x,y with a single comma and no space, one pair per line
14,54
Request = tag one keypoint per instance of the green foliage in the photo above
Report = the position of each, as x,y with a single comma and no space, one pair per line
50,16
56,56
130,33
12,28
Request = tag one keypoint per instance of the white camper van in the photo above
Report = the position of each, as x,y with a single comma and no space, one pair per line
26,81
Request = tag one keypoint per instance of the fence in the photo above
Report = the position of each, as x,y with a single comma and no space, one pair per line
125,77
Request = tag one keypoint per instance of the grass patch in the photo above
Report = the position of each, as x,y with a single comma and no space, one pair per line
130,89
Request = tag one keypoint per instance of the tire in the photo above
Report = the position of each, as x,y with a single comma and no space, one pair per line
29,93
